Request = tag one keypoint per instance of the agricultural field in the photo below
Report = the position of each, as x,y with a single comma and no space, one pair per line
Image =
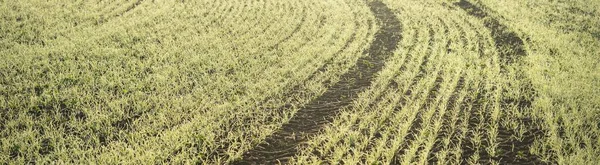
299,82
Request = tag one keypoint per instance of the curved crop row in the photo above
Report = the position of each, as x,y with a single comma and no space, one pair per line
166,81
298,82
446,105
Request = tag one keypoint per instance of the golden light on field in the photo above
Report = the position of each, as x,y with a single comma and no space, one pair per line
299,82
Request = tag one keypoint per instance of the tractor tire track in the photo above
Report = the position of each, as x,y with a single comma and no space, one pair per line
510,49
510,46
292,89
382,96
296,89
320,111
392,86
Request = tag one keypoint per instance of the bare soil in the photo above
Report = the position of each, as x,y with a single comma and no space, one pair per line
511,50
283,144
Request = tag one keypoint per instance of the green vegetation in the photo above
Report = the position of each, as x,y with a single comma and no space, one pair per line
142,82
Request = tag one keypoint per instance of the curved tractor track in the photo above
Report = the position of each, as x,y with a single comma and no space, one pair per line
445,101
511,49
283,144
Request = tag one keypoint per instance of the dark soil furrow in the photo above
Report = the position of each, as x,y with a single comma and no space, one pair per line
296,89
127,122
464,113
309,120
392,86
382,98
509,45
510,49
516,151
468,145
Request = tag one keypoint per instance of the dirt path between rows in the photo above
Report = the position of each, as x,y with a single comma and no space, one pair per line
310,119
511,50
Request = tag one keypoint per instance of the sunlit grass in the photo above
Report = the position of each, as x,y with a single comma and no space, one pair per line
142,82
